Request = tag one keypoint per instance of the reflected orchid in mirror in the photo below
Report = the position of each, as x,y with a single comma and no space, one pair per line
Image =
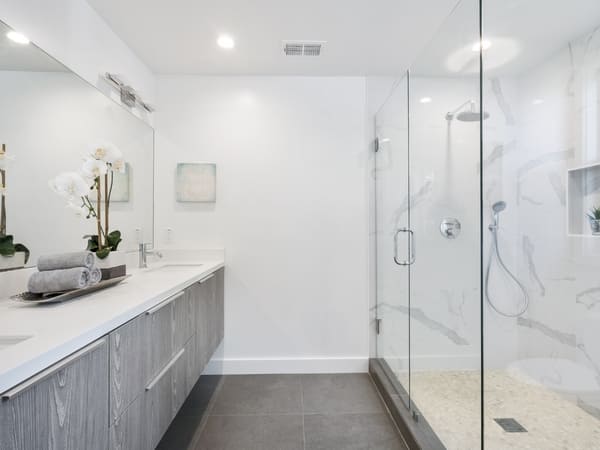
96,178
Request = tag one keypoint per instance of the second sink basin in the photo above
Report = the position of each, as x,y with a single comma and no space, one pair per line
174,267
9,341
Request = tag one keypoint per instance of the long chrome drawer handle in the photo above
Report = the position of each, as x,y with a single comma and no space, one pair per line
165,369
206,278
8,395
164,303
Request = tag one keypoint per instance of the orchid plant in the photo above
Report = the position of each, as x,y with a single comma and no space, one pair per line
7,246
96,174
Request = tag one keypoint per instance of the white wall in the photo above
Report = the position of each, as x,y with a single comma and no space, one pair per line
291,212
72,32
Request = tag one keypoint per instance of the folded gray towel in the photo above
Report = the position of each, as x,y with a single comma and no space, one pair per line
59,280
95,276
66,261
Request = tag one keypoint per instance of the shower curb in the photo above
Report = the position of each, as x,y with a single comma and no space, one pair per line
417,435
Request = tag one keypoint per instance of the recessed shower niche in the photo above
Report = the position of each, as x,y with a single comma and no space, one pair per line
583,193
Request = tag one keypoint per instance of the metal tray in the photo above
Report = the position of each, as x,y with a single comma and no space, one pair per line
57,297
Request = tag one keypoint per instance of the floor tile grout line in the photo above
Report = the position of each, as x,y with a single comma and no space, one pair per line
302,409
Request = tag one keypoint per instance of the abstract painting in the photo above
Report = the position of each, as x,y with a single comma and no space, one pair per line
196,182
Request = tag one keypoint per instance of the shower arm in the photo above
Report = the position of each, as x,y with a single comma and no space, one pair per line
450,115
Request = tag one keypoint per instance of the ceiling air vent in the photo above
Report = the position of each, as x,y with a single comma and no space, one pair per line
302,48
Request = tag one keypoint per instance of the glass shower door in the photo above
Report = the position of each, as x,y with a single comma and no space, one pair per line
392,201
445,294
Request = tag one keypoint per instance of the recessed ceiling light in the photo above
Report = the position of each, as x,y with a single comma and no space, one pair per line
225,41
425,100
17,37
485,44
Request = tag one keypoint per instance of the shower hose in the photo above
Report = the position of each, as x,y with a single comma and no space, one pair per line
495,251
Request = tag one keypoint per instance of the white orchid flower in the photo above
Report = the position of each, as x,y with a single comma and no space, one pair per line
106,151
94,168
70,185
118,165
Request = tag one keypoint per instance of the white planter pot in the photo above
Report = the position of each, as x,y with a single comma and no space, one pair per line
113,259
16,261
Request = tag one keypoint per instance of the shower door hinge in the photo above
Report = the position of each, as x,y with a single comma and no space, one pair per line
376,145
378,326
415,416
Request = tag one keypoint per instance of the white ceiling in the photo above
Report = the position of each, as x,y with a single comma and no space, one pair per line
364,37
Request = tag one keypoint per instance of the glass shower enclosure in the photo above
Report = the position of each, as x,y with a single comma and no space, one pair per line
488,246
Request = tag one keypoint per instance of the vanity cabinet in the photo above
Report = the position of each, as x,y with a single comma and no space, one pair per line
63,407
177,338
122,391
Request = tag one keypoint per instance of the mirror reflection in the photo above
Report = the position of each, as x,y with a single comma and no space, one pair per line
53,123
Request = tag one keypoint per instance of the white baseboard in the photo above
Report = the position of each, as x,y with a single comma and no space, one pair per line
235,366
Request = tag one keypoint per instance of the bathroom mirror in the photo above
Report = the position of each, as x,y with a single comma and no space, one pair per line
50,121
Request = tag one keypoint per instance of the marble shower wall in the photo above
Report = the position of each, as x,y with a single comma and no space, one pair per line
543,121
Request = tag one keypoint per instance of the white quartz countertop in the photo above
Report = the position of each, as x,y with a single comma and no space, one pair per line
59,329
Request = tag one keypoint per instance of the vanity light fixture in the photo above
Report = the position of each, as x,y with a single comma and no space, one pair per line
17,37
226,42
484,45
128,95
425,100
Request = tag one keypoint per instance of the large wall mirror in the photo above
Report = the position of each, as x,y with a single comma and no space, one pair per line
50,121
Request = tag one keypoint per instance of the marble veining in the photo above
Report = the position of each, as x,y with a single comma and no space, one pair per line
531,200
589,297
528,250
415,199
419,315
502,102
546,158
558,187
559,336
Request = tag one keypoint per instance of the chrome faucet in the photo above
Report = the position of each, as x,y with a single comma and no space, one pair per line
143,255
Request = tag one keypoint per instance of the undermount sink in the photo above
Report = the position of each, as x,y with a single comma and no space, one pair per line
174,267
9,341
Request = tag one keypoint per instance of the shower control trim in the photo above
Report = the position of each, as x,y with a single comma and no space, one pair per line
411,240
450,227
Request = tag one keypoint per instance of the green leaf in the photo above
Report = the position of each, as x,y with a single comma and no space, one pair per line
103,253
22,248
92,244
113,239
7,248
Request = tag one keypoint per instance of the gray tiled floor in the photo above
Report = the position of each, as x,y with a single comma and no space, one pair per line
298,412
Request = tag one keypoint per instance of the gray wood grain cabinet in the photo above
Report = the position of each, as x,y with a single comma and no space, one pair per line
178,337
64,407
122,391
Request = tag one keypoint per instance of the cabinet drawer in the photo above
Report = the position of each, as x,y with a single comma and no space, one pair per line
165,394
184,317
129,364
64,407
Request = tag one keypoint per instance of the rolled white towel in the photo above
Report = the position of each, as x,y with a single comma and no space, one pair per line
95,276
59,280
66,261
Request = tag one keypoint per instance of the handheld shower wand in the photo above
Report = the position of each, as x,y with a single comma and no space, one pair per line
497,208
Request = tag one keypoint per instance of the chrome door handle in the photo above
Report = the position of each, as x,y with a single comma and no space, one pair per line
411,239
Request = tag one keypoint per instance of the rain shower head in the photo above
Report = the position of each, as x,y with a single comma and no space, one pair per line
471,115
